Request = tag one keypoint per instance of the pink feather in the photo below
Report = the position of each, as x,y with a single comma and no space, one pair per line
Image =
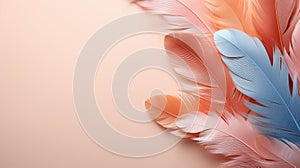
238,140
192,11
203,68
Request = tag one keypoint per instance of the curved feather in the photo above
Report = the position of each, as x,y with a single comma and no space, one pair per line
255,76
205,84
166,109
196,61
238,140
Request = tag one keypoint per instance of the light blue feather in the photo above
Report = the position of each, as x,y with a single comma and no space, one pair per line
255,76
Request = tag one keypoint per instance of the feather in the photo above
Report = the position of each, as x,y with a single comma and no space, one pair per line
293,61
198,65
183,15
205,85
166,109
231,14
255,76
239,141
272,21
195,13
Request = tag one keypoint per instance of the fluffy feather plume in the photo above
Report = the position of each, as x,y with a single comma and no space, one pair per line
253,74
238,140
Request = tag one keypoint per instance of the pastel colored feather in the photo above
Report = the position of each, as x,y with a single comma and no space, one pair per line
259,76
166,109
272,21
182,15
205,84
255,76
238,140
196,61
231,14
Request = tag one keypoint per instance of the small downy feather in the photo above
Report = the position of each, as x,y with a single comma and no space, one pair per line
255,76
238,140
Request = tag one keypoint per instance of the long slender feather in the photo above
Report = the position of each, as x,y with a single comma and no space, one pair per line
238,140
255,76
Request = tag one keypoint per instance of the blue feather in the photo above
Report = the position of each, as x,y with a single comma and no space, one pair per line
255,76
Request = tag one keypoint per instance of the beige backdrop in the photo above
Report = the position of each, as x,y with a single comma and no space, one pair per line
40,41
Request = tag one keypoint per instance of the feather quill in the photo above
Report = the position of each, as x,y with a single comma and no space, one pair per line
255,76
238,140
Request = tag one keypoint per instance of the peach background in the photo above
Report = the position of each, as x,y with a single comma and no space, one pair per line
40,41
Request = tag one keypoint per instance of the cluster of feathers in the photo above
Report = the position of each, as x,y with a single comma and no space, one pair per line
238,62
